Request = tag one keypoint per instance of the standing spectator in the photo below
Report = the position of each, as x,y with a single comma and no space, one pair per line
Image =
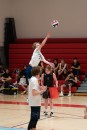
75,67
63,69
55,61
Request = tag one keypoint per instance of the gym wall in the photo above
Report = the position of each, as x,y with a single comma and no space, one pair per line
33,18
5,11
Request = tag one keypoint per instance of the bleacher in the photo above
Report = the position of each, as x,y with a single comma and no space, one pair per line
20,52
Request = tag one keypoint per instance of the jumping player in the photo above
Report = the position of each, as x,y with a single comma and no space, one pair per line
37,57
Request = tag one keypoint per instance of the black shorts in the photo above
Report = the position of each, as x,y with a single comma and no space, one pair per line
70,82
46,94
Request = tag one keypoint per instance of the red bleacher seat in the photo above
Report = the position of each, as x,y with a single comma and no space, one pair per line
68,48
20,54
66,90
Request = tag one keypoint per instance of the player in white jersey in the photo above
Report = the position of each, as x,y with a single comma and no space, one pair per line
34,97
37,57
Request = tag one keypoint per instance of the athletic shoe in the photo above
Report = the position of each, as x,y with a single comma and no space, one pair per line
69,95
51,114
45,113
61,95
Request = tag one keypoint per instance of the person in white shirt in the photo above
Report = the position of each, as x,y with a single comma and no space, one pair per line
37,57
34,97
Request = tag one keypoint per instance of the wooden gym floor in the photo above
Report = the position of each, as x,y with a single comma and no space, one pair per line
68,113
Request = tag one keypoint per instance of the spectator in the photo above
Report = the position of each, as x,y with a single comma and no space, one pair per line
6,78
55,61
17,71
63,69
75,67
71,81
23,72
1,70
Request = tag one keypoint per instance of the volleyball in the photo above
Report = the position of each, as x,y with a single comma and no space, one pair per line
55,23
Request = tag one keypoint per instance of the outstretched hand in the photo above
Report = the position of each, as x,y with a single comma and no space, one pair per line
51,64
48,35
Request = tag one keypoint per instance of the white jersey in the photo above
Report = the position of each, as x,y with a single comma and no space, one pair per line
36,58
34,100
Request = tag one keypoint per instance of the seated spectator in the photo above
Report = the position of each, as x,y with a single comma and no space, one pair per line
75,67
55,61
23,72
22,83
6,78
62,69
17,71
16,74
1,70
71,81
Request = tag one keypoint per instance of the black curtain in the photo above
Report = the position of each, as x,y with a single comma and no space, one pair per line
9,36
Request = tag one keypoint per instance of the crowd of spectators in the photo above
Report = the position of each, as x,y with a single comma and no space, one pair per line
62,70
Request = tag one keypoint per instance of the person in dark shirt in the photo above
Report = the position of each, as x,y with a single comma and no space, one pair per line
6,78
55,61
23,72
48,79
75,67
62,69
1,70
71,81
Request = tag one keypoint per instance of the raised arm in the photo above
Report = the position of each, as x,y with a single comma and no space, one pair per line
46,62
44,41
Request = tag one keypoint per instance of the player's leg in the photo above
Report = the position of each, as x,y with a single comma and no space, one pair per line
28,73
51,107
46,107
35,116
45,96
70,86
61,93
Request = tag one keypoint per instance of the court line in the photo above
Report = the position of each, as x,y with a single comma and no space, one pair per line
43,111
44,119
56,105
28,122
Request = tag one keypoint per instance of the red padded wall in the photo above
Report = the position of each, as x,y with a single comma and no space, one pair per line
20,52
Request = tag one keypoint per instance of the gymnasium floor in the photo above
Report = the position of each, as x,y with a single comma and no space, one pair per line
69,111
